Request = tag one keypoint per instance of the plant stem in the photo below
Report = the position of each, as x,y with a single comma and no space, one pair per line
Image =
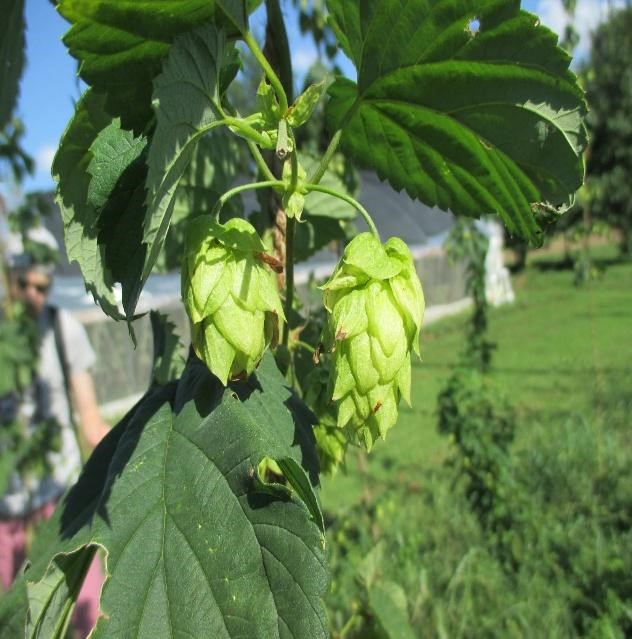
269,71
308,347
240,189
349,625
293,161
259,160
289,276
349,200
326,159
278,52
241,125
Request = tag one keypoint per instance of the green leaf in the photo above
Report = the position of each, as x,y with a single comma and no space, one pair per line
235,12
323,205
70,169
13,610
211,172
186,100
117,193
387,601
168,349
50,599
474,121
299,481
12,56
303,107
327,218
121,45
194,548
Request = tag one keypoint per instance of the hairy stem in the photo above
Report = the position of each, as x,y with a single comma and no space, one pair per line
260,161
268,70
278,51
349,200
293,161
240,189
289,277
308,347
326,159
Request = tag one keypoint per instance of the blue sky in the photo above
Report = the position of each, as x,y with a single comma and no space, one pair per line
49,85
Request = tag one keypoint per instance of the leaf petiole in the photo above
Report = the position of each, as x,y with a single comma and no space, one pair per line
240,189
326,159
259,160
349,200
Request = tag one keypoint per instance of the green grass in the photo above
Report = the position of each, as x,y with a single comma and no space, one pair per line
563,361
559,348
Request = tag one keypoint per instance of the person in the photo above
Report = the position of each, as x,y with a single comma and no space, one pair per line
62,384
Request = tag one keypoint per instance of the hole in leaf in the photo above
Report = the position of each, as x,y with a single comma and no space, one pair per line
474,26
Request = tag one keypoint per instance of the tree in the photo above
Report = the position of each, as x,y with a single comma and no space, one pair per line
609,92
204,499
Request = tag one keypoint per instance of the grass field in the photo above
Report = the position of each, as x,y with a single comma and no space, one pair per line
411,556
560,349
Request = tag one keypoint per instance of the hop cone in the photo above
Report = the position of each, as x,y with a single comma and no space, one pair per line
230,295
376,307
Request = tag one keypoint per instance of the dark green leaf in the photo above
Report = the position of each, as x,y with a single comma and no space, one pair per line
186,100
70,169
168,349
13,611
121,45
169,485
12,56
211,172
475,117
235,13
299,481
117,192
50,599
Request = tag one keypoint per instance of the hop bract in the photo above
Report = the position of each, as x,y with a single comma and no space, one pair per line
230,295
376,305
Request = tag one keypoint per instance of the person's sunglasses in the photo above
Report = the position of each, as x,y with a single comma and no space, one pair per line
40,288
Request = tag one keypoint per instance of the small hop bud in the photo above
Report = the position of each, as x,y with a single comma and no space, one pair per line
376,305
294,200
230,295
301,111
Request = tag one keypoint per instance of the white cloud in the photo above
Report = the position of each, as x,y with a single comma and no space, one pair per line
44,159
588,15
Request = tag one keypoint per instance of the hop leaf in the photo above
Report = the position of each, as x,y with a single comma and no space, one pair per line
230,296
376,305
302,109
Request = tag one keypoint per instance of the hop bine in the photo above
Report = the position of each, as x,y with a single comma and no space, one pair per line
230,295
375,304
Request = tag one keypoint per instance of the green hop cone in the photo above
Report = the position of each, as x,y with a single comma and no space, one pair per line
376,306
331,446
230,295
